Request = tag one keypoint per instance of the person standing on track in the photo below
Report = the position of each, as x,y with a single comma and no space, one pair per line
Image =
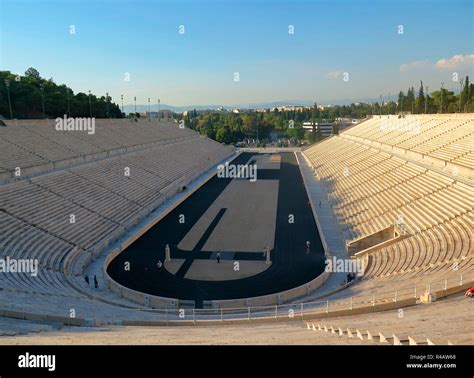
308,246
218,257
167,253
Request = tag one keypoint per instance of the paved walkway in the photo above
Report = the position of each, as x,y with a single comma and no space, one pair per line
330,232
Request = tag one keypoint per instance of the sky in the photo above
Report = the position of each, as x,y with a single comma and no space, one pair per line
242,51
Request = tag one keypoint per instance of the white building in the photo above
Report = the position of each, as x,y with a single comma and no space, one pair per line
325,128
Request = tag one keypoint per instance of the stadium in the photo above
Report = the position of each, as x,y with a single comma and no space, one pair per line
394,194
205,187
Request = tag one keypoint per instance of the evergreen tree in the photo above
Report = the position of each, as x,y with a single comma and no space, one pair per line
410,100
32,72
401,101
465,95
420,101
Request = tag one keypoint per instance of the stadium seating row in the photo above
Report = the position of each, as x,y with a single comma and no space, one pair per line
370,189
123,176
71,214
39,147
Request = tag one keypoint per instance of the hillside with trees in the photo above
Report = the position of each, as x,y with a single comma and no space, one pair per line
30,95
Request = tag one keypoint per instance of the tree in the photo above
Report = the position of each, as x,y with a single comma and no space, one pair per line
223,135
465,95
420,101
401,101
410,100
445,101
310,136
32,72
295,133
470,95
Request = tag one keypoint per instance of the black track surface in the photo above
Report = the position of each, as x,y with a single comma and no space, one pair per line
291,266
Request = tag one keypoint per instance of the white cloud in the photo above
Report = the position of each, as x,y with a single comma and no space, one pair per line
456,62
419,64
333,75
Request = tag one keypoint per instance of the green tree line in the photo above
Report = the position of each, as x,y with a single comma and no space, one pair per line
231,127
440,101
30,91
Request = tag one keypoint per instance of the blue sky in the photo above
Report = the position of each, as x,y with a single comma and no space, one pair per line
141,38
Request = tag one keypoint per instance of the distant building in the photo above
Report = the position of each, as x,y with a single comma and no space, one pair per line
346,121
323,107
161,114
325,128
310,126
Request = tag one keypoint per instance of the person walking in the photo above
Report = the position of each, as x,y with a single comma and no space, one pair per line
218,257
167,253
308,246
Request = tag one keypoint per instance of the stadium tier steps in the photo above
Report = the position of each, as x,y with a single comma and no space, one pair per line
244,334
441,141
371,187
16,327
78,192
446,322
35,146
372,181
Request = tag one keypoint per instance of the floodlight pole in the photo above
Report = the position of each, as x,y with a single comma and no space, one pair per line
135,101
441,110
107,104
158,108
90,105
380,111
7,83
68,103
149,110
42,99
121,96
460,94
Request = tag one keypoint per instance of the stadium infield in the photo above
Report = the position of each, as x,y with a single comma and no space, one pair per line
238,219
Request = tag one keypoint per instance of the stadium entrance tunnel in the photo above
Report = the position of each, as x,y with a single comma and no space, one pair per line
235,237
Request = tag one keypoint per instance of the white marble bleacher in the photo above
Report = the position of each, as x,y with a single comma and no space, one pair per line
435,208
35,210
